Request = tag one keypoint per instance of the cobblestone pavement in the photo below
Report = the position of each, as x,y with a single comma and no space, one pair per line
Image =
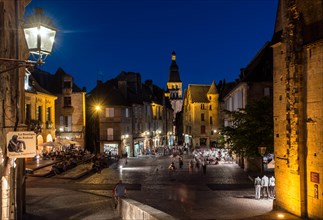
225,192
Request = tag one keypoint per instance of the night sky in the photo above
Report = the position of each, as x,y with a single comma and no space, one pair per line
213,39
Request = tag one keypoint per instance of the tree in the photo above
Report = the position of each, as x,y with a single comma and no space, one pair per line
250,127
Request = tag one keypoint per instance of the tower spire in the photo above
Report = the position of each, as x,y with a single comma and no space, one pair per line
173,56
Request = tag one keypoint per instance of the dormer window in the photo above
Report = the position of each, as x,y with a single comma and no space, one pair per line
67,84
67,101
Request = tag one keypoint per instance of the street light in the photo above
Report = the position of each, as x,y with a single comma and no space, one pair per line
97,130
40,35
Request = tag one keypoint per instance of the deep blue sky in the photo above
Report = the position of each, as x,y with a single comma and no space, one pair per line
213,39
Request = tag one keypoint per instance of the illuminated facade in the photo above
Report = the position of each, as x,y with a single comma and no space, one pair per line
12,46
298,107
174,86
175,95
200,115
40,112
69,106
135,118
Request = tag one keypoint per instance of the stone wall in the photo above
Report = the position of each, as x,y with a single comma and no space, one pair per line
131,209
298,107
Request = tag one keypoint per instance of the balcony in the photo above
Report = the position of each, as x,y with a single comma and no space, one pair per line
35,125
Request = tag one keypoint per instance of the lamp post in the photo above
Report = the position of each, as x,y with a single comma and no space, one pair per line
97,130
262,151
13,204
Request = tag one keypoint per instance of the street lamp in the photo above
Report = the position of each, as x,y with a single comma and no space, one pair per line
97,130
262,150
40,35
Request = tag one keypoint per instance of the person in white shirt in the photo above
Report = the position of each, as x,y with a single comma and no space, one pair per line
264,186
257,187
272,187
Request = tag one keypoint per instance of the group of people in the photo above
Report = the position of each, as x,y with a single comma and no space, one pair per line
264,186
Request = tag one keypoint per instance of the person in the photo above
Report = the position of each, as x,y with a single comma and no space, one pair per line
16,145
172,167
190,166
257,187
264,186
180,161
120,191
272,187
126,156
204,167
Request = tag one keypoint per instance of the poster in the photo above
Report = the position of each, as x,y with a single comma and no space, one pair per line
21,144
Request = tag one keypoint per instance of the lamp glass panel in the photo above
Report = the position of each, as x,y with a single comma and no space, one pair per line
31,37
47,39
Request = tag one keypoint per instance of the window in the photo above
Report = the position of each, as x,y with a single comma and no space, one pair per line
127,113
202,117
39,113
267,91
210,108
67,84
66,122
67,101
48,115
109,112
202,106
211,120
203,129
110,134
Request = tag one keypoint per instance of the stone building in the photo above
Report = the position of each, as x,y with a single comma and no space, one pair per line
40,113
298,107
200,115
135,117
175,94
69,106
254,82
175,86
12,47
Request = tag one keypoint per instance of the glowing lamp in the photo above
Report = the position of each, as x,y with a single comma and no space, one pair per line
40,35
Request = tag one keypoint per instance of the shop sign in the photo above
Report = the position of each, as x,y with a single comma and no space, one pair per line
21,144
315,177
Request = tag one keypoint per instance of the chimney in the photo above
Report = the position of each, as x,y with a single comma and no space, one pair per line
122,87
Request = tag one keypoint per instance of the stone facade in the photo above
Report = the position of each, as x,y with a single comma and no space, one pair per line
69,106
135,117
40,113
175,94
12,46
298,107
200,115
